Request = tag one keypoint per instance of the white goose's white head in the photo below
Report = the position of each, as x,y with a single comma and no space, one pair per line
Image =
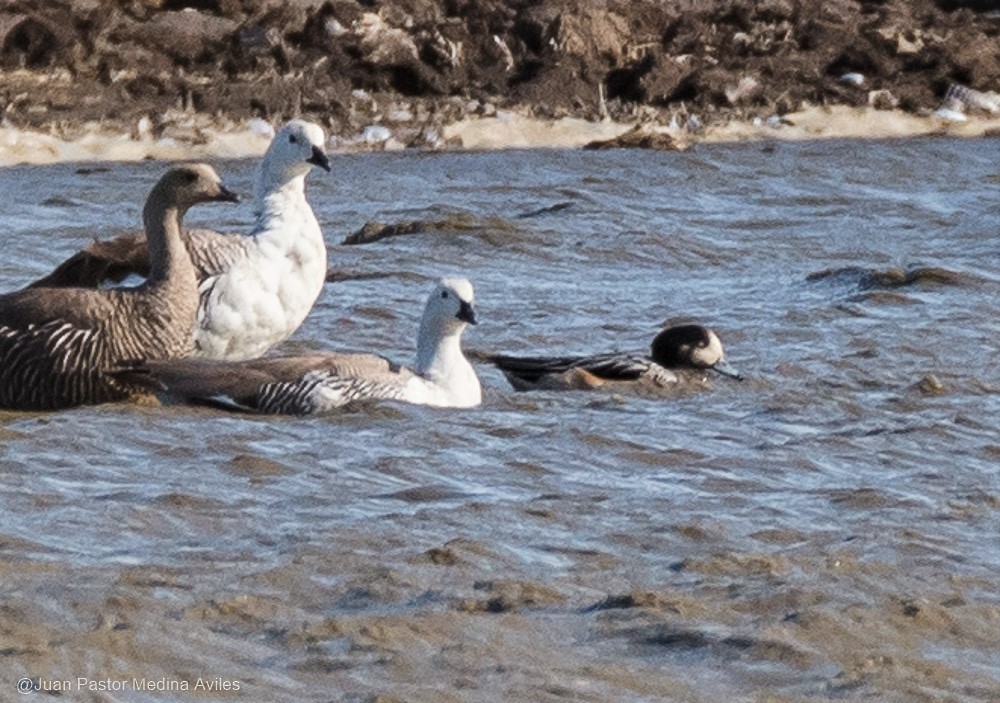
449,310
450,307
295,149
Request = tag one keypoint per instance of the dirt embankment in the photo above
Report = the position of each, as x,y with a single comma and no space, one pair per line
352,63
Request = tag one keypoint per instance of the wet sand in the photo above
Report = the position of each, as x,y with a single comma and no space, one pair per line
471,620
204,137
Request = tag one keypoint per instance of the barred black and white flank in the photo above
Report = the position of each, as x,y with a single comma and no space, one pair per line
674,348
302,385
56,344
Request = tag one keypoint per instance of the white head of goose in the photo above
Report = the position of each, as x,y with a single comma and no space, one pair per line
295,149
302,385
57,343
674,348
255,290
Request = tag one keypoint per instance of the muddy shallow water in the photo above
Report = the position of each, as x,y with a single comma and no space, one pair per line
825,530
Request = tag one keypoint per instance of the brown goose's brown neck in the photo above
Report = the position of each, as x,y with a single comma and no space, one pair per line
167,254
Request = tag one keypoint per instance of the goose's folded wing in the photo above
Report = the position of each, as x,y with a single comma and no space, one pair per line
113,260
79,307
196,378
363,366
296,384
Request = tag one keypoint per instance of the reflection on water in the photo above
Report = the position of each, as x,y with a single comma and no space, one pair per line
826,529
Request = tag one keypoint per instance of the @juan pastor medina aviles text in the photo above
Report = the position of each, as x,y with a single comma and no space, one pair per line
214,684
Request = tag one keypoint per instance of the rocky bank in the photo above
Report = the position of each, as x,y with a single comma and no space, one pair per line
417,65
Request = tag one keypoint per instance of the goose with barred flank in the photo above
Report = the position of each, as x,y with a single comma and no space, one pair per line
255,290
673,349
303,385
57,344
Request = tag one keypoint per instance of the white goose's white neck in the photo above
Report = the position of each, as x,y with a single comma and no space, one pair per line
273,179
273,201
440,361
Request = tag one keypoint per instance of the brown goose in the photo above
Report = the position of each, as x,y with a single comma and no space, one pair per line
56,343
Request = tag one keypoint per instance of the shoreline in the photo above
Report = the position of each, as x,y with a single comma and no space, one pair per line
197,136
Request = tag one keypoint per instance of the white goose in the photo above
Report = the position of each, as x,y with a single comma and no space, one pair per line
254,290
302,385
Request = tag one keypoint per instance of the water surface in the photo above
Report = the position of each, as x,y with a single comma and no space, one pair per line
825,530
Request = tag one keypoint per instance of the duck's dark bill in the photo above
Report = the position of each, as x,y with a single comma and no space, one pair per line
725,369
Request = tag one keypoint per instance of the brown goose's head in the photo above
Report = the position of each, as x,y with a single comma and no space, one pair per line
189,184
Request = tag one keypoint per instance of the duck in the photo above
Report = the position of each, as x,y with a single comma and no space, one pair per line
673,349
254,290
309,384
57,344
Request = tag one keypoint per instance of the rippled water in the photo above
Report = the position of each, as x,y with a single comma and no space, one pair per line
825,530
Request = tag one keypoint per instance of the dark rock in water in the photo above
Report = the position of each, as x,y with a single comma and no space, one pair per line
638,138
931,385
339,275
425,494
59,201
867,279
373,231
545,210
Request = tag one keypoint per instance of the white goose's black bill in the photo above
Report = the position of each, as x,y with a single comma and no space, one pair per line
319,158
467,313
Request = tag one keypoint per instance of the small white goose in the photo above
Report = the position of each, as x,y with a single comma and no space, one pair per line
303,385
254,290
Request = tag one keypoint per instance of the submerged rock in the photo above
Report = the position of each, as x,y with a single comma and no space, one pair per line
895,277
931,385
